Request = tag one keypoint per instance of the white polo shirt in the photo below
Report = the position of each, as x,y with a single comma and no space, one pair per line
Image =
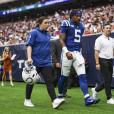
105,46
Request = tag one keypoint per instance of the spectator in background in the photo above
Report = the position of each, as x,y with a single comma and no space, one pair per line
1,44
1,38
101,14
1,66
7,65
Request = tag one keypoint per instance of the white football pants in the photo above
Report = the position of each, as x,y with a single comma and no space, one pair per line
77,62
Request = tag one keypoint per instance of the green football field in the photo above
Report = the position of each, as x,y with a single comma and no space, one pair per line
11,102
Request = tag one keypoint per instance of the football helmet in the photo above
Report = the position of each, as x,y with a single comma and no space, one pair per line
29,74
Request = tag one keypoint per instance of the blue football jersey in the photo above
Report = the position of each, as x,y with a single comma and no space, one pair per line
40,43
73,33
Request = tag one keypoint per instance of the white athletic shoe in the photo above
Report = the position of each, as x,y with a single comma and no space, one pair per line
2,84
11,84
110,101
94,93
28,103
57,102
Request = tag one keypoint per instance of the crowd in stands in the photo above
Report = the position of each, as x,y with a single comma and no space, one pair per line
93,18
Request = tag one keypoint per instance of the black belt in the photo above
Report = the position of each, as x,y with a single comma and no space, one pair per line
103,59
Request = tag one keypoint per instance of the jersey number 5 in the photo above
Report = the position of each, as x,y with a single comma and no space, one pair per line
77,36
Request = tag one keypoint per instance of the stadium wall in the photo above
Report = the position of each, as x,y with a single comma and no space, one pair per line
93,76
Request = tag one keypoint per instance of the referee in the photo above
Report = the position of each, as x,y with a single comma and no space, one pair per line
104,46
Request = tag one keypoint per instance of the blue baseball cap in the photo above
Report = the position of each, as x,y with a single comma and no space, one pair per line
76,12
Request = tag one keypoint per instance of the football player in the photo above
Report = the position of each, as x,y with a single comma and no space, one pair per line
71,38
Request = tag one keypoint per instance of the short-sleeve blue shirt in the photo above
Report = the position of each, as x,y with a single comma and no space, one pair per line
40,43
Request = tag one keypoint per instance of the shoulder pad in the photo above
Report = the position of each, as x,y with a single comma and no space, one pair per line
65,23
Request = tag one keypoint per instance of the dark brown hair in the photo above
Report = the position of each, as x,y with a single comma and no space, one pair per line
40,20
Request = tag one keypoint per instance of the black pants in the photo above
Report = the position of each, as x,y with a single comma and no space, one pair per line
47,76
106,66
57,74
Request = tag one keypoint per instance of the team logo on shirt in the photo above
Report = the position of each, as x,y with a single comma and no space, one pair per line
72,25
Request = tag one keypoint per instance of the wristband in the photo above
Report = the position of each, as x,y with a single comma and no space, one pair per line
65,49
